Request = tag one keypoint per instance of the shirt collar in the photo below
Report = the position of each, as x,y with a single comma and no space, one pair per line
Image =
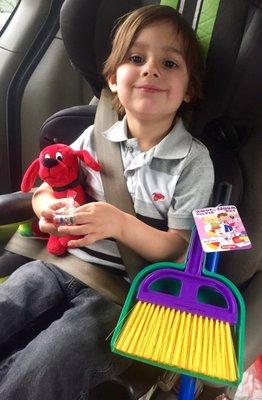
117,132
175,145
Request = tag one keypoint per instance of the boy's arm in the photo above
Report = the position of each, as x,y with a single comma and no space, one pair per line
100,220
152,244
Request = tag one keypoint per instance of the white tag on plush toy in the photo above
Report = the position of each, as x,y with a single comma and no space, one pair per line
221,229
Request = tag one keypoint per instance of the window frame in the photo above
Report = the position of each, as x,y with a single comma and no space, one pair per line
9,18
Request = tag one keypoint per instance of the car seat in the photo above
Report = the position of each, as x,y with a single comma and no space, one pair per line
227,120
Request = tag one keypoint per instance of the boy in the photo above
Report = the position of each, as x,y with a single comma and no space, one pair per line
154,70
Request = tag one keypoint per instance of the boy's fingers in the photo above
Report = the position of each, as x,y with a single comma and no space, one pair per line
64,219
75,230
47,214
48,227
66,202
85,241
73,219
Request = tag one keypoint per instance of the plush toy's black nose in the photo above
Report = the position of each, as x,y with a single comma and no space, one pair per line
50,162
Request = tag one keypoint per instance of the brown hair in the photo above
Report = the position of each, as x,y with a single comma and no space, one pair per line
222,215
130,25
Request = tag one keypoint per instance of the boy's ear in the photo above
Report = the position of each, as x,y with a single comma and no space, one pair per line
189,93
187,98
112,84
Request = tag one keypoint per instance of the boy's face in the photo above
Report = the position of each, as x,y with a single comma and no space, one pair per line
153,80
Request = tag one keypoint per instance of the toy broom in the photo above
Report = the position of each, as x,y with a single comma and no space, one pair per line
174,327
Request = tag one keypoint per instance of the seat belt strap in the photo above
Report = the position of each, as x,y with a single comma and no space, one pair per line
108,284
112,175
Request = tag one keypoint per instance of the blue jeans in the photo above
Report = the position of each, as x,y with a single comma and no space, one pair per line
59,357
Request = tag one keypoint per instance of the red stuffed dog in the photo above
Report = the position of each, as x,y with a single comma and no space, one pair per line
58,166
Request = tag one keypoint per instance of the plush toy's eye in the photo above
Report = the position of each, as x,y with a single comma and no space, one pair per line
47,155
59,156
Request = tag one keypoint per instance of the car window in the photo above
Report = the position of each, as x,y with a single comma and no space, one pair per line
6,9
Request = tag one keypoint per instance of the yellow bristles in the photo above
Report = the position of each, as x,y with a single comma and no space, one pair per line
179,339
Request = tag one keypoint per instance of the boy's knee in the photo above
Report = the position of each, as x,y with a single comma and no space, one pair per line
36,272
30,269
28,275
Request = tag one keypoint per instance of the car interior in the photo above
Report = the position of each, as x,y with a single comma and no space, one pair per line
228,120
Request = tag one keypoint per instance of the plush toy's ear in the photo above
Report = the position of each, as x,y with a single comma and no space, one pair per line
86,157
30,176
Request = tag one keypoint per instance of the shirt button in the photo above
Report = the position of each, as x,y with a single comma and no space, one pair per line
130,172
130,149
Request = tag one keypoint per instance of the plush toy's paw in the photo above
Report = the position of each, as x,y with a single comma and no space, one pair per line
54,246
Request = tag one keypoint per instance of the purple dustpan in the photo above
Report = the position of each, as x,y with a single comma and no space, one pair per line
192,280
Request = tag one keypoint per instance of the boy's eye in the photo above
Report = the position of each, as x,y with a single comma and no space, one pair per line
135,59
170,64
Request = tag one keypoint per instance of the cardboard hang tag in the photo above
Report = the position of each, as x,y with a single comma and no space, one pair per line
221,229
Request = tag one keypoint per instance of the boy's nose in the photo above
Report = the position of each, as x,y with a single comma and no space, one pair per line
150,69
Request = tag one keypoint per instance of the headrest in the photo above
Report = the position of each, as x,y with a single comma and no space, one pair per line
86,27
65,126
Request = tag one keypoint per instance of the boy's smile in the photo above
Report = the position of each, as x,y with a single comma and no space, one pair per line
149,88
153,80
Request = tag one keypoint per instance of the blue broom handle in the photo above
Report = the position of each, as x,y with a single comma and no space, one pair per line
212,261
187,383
187,388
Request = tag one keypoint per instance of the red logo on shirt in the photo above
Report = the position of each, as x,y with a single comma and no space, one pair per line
158,196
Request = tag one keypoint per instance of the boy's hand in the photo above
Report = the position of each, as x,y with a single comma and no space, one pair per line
46,222
94,221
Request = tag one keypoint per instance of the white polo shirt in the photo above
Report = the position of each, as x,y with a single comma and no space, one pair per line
166,183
